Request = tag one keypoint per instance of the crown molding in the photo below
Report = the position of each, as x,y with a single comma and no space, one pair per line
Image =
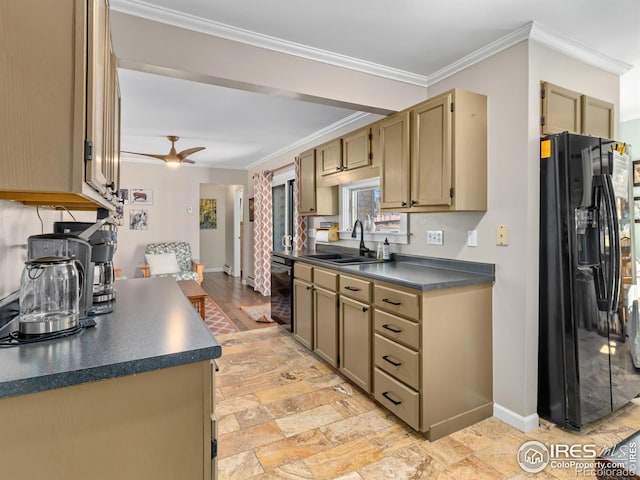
315,137
142,9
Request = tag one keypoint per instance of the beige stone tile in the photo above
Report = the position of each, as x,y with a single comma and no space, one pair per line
308,420
253,416
343,459
412,462
236,404
239,467
247,439
327,380
252,385
543,475
290,471
292,449
352,401
446,450
344,431
302,402
493,428
501,456
472,439
283,392
228,424
349,476
396,437
469,468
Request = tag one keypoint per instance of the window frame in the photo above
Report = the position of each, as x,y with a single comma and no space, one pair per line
346,222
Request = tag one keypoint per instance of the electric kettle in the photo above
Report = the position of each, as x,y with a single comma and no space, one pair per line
49,296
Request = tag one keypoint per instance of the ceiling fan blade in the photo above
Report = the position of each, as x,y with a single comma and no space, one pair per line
160,157
189,151
187,161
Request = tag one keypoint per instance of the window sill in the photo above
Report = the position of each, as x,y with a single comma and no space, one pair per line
397,238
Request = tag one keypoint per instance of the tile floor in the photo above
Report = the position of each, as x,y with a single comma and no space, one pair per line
285,414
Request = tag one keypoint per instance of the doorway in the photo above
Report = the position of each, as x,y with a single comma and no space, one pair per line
282,201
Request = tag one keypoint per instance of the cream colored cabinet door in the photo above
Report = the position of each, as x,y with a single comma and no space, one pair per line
303,313
394,170
561,110
431,124
97,98
329,156
325,307
307,185
597,117
356,149
355,342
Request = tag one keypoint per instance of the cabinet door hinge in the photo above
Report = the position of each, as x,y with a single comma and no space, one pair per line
452,106
338,302
370,136
214,448
338,360
451,192
370,155
88,150
543,120
543,93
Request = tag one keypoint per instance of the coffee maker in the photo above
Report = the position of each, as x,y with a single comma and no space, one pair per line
69,246
102,236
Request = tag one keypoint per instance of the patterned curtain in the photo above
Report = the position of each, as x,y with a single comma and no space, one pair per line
299,222
262,232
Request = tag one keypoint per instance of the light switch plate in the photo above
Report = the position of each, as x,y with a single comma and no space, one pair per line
435,237
502,235
472,238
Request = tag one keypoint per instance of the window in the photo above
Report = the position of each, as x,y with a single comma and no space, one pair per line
361,201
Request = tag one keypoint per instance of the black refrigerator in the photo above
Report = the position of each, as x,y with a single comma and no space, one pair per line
585,352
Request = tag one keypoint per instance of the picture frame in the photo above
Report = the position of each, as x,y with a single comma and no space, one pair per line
251,211
141,196
138,220
636,173
208,213
636,209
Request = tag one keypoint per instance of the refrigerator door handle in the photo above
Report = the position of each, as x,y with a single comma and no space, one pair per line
614,245
599,274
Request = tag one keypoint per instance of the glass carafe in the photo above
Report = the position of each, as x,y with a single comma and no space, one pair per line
49,296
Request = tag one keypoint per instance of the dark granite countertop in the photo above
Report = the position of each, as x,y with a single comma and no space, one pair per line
153,326
422,273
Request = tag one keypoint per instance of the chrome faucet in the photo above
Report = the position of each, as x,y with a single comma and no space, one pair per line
363,250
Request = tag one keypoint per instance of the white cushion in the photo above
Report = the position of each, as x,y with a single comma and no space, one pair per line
162,263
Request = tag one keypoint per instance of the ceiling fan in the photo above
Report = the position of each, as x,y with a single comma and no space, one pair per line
173,158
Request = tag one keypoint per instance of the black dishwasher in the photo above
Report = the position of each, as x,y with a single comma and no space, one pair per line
282,289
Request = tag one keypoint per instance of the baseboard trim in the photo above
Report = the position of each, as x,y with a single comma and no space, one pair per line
212,270
524,424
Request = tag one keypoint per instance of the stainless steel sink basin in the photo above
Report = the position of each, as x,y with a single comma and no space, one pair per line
341,259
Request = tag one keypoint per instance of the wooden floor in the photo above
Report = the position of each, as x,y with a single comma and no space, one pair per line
230,294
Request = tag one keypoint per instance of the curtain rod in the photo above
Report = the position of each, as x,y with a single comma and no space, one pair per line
288,165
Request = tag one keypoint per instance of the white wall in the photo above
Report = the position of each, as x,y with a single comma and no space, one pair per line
213,241
174,191
17,223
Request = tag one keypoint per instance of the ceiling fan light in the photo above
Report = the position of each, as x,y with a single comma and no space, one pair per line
173,162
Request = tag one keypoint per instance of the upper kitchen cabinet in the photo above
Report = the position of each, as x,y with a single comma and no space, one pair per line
59,92
329,156
434,156
597,117
561,110
314,200
564,110
356,149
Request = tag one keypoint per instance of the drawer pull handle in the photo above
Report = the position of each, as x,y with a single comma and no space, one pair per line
386,300
388,397
365,309
352,289
395,364
394,330
311,287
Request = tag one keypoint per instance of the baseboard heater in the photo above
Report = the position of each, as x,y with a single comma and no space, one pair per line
227,269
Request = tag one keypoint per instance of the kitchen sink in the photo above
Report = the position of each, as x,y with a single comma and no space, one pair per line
341,259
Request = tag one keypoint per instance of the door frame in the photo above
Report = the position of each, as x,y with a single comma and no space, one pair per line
237,231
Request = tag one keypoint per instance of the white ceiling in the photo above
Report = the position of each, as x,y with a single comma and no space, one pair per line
418,37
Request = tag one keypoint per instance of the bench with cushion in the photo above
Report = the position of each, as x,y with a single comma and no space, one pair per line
171,259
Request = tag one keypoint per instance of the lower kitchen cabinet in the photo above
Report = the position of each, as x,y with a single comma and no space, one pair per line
157,424
303,312
355,342
326,325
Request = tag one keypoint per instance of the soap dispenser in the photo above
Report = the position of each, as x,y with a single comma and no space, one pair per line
386,254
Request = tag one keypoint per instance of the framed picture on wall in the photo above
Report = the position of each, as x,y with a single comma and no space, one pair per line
138,220
251,209
141,196
636,209
636,173
208,213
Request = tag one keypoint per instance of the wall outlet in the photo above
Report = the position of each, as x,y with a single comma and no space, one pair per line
189,209
435,237
502,235
472,238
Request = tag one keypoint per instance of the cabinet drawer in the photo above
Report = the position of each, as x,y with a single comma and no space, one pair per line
396,301
303,271
399,361
398,329
355,288
325,279
398,398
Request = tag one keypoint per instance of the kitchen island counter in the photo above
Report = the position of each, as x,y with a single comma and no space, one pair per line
153,326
